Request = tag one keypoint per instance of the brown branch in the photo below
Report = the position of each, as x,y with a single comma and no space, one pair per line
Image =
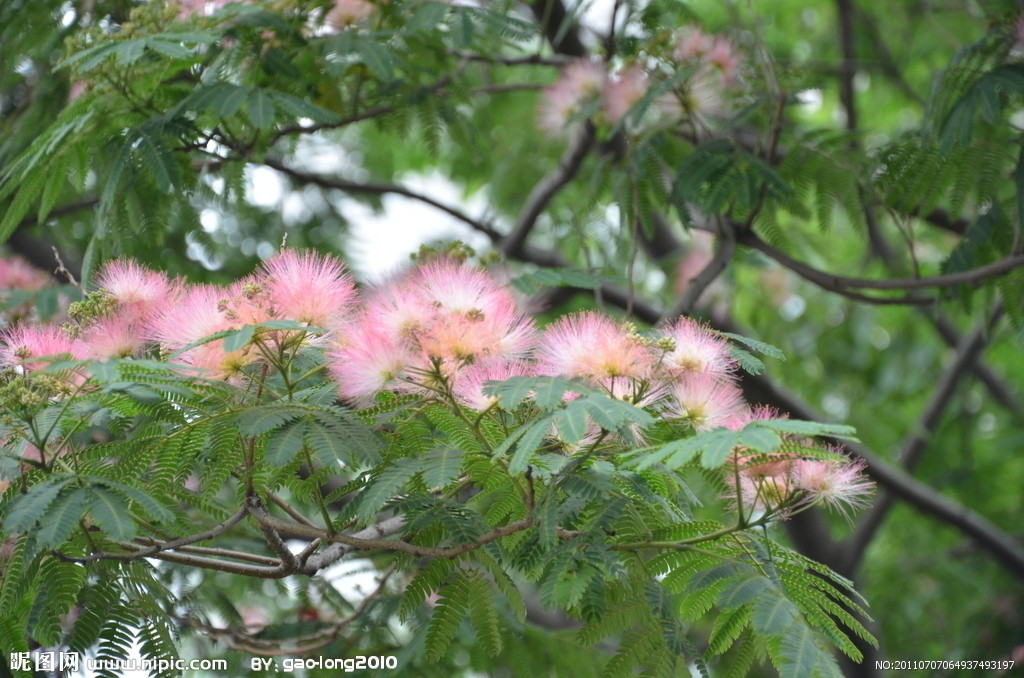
686,302
838,283
917,440
546,189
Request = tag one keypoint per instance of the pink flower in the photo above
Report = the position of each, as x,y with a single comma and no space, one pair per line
348,12
623,92
115,336
582,82
18,274
196,314
592,346
310,287
697,350
707,401
137,290
692,43
468,384
369,361
24,345
839,485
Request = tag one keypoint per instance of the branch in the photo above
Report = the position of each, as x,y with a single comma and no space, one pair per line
723,255
546,189
558,27
1003,547
917,441
840,283
378,188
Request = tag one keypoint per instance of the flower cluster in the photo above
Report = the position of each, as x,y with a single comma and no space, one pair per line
442,331
707,65
135,312
18,275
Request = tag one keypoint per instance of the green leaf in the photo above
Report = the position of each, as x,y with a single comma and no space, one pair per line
285,443
237,339
716,446
528,442
810,428
257,420
758,437
801,655
62,518
754,344
110,511
426,16
442,466
260,108
377,58
157,159
26,509
385,486
774,613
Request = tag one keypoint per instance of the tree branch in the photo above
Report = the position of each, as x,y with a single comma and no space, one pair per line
546,189
917,440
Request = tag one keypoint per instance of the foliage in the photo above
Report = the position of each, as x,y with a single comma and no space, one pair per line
839,180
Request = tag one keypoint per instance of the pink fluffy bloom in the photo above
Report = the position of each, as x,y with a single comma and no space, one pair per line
468,385
692,43
310,287
591,346
472,316
723,57
24,345
18,274
623,92
581,82
198,313
137,290
348,12
707,402
189,8
697,350
115,336
369,361
839,485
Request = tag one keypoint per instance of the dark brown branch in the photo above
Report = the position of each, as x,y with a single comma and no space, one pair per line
917,440
723,255
558,27
837,283
378,188
546,189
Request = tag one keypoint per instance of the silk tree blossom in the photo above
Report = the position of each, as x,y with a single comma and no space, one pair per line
196,313
582,83
369,360
115,336
592,346
468,385
837,484
18,274
623,91
310,287
707,402
349,12
25,345
697,350
137,290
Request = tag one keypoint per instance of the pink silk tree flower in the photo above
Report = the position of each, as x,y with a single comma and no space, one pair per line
468,384
18,274
195,314
348,12
837,484
624,91
592,346
368,361
115,336
581,82
137,290
310,287
24,345
707,401
697,350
